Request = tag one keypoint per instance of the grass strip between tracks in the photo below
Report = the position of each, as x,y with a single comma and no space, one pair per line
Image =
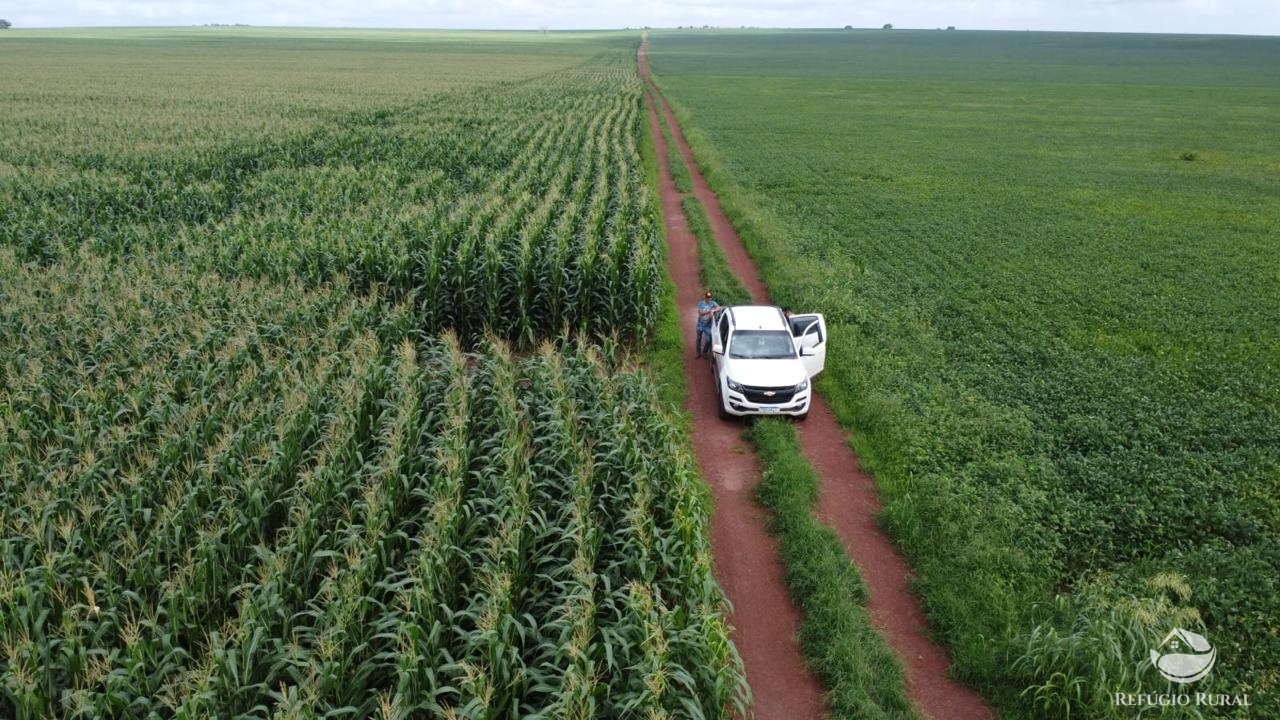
713,266
863,676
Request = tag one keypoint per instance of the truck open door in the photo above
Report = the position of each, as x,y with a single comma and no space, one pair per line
719,332
809,333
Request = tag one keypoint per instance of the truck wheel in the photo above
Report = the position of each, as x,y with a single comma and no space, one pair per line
724,414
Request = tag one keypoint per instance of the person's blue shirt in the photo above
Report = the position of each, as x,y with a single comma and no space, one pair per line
704,317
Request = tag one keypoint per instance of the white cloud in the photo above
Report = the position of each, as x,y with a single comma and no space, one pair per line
1209,16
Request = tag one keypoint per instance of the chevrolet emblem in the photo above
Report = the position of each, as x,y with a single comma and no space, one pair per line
769,393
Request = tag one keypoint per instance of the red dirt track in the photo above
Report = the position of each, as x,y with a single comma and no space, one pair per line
746,556
746,560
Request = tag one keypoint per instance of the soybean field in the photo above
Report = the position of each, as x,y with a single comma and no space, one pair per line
1049,265
317,396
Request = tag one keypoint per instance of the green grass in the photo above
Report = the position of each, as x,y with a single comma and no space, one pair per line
862,675
713,266
1054,334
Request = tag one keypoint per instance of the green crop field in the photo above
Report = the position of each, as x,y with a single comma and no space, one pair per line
1050,264
499,194
315,392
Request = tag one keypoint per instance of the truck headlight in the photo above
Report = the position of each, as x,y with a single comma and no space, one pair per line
804,385
733,385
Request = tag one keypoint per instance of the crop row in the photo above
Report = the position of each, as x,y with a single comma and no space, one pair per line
517,208
230,498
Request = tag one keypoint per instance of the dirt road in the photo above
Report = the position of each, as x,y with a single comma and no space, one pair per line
746,559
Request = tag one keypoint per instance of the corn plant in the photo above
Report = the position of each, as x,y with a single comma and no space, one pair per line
233,497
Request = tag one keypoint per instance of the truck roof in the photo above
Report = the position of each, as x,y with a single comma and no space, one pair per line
758,317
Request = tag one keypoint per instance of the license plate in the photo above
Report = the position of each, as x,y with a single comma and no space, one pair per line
768,409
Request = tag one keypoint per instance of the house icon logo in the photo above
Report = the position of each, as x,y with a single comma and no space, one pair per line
1184,656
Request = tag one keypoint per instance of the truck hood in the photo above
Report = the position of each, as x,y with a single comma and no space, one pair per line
767,373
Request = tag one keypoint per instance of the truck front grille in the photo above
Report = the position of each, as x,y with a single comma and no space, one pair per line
768,395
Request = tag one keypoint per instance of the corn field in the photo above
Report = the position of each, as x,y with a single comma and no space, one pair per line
517,208
231,516
339,420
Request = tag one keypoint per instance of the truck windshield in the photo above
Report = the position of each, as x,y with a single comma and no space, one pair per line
762,344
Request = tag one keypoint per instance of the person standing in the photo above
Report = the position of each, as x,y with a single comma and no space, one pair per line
707,308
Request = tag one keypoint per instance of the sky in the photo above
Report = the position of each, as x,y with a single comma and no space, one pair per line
1244,17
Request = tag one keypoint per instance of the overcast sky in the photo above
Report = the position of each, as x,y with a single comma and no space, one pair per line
1253,17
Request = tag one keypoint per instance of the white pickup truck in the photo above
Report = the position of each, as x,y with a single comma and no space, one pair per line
763,360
